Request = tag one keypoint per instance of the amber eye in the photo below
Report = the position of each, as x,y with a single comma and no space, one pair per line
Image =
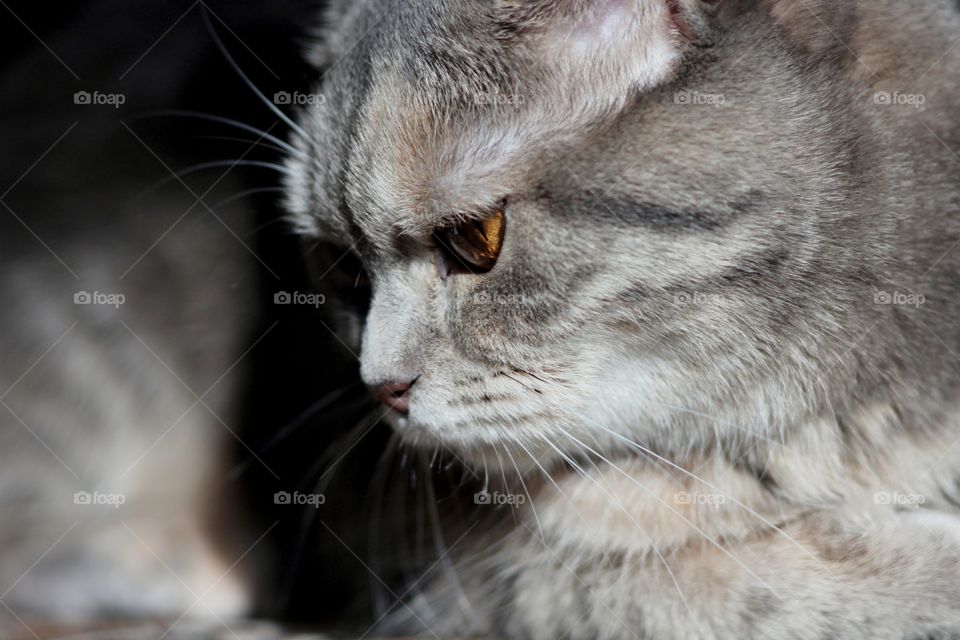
471,246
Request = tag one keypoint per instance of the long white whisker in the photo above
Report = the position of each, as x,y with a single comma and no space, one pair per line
236,67
421,513
503,473
503,476
443,553
526,491
230,122
203,166
379,481
307,522
565,497
623,508
246,141
693,525
715,419
245,194
295,424
749,510
542,470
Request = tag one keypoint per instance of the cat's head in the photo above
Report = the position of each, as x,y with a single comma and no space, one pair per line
584,219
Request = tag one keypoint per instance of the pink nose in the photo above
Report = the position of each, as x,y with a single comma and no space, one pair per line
394,396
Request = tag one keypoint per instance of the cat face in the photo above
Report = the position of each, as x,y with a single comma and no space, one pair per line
676,183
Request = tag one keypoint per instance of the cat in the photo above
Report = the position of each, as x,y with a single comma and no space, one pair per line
686,272
127,308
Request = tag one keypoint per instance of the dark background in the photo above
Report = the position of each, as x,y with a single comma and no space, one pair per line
307,574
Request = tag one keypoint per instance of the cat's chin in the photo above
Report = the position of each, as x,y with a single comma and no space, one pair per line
476,449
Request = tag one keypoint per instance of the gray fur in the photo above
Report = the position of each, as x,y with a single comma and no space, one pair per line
704,279
99,397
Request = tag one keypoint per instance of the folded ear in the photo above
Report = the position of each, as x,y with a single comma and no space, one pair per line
622,44
683,17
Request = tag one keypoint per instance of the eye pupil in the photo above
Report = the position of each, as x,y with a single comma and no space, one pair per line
471,246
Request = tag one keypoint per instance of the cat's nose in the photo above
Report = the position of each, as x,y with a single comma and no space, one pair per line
394,396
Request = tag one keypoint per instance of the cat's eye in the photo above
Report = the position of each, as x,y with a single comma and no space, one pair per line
472,245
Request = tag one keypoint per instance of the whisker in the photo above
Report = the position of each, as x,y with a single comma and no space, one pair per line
203,166
440,549
715,419
245,194
230,122
307,414
309,517
525,386
345,442
526,491
503,476
246,141
261,227
486,475
691,524
417,557
236,67
714,487
540,466
379,481
623,508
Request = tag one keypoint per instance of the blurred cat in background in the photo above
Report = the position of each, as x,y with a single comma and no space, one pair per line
130,300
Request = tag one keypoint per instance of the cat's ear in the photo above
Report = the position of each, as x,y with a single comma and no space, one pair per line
598,19
624,43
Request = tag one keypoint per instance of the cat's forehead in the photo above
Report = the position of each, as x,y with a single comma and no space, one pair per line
444,108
